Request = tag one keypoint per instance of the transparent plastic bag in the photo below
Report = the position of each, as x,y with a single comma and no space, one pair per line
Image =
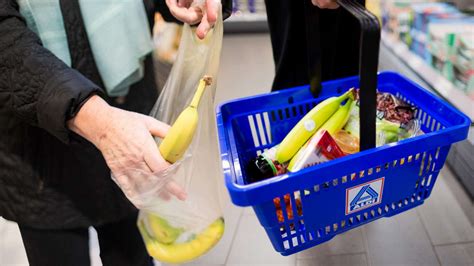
176,231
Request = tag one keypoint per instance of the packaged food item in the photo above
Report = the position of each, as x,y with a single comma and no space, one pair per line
393,109
337,136
321,148
395,120
348,143
264,166
287,206
390,108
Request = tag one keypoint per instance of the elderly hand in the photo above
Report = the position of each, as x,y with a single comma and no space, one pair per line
205,15
125,139
331,4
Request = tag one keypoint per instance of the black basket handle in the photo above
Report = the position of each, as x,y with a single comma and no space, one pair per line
368,66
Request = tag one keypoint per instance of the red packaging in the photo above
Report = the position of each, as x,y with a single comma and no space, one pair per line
329,148
321,148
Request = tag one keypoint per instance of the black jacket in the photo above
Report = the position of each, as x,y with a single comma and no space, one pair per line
50,177
303,34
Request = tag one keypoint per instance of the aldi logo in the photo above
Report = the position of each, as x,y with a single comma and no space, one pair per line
364,196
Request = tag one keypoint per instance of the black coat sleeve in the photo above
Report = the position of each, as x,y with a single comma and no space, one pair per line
168,17
37,86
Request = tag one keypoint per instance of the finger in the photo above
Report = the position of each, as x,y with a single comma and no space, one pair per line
332,5
198,15
190,15
211,11
151,154
329,4
203,28
164,195
153,158
157,164
176,190
126,186
156,127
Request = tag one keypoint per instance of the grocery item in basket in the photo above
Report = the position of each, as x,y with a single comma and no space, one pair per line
308,126
348,143
391,108
387,132
279,206
322,147
264,166
183,251
394,109
395,120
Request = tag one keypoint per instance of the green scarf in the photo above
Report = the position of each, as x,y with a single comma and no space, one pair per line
118,33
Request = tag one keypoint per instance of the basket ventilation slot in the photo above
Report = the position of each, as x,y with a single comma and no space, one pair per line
260,128
294,232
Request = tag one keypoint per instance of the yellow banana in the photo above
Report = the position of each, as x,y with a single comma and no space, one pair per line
339,119
187,251
161,230
180,135
332,126
307,126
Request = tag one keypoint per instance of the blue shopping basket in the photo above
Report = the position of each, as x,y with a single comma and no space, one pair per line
319,202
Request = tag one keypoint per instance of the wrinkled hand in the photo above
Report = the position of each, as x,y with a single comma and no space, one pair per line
126,142
205,15
331,4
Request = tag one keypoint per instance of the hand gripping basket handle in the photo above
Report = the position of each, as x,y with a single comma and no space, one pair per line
368,65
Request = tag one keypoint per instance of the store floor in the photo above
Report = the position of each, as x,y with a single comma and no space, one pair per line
440,232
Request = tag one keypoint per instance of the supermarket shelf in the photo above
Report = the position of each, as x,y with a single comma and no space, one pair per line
396,56
440,84
246,23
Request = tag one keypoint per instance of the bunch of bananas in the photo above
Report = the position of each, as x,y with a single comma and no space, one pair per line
335,123
160,242
160,237
328,115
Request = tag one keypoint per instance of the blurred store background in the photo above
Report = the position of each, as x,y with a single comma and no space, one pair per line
431,42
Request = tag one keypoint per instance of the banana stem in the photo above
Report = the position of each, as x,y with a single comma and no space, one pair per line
350,93
205,81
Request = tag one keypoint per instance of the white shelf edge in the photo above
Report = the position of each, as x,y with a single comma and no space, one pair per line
439,83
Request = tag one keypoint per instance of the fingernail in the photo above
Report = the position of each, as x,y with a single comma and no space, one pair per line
203,34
